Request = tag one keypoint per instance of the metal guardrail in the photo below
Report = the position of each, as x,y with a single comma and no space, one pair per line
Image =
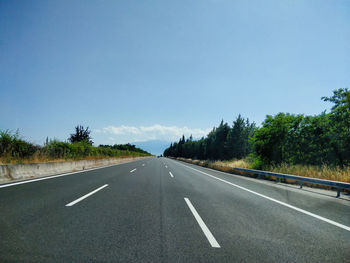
301,179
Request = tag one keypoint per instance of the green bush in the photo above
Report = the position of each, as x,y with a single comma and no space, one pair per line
16,149
257,164
22,149
12,146
57,149
65,150
80,149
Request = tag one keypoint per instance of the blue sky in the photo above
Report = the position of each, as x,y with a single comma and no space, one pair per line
143,70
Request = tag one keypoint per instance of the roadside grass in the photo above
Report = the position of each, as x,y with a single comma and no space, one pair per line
44,159
322,172
15,150
341,174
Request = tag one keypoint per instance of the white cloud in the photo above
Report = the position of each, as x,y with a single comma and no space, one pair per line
125,134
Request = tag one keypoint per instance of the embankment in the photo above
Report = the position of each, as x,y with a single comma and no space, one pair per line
16,172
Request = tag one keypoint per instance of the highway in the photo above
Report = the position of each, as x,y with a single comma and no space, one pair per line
162,210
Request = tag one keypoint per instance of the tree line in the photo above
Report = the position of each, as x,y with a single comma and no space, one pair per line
222,143
124,147
282,138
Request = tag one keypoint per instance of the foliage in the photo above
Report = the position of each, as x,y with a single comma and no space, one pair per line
12,148
238,139
286,138
57,149
315,140
123,147
340,124
65,150
222,143
81,135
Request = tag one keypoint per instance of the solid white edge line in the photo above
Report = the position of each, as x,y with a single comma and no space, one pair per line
276,201
87,195
203,226
59,175
133,170
171,175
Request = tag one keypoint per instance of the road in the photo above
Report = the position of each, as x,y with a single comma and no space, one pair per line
162,210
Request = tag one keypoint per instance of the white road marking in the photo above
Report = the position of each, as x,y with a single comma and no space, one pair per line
203,226
87,195
171,175
143,164
166,166
133,170
276,201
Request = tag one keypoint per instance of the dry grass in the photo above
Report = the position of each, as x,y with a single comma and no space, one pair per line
321,172
233,163
40,159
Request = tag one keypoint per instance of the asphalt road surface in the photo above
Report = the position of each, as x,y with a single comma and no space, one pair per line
162,210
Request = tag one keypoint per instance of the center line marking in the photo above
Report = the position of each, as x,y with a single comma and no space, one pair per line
87,195
203,226
166,166
133,170
171,175
275,200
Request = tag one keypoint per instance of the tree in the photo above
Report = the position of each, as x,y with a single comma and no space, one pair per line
220,136
81,135
270,140
340,123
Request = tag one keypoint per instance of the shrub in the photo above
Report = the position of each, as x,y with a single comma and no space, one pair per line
12,146
257,164
57,149
80,149
15,149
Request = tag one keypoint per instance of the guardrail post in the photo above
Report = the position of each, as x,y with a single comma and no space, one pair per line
277,179
301,185
338,192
